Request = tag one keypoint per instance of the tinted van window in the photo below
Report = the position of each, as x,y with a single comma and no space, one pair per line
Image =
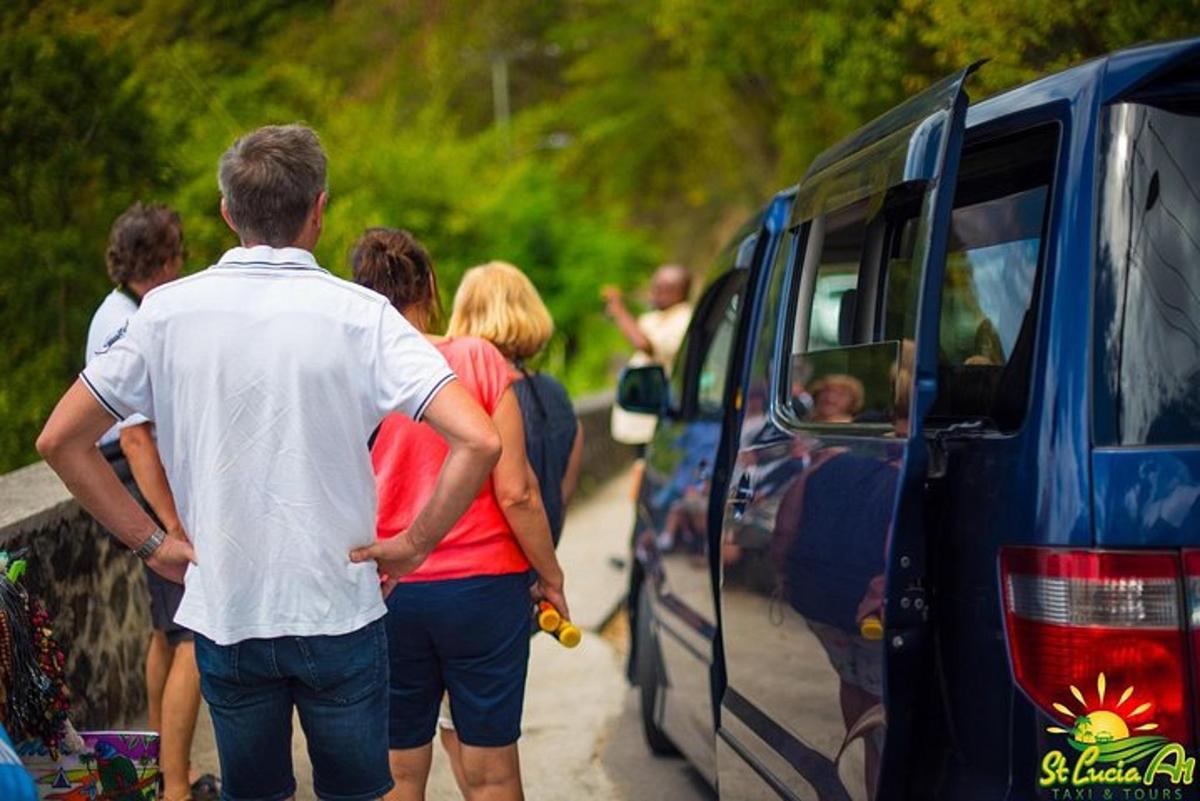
1149,248
988,314
831,313
837,374
714,370
756,421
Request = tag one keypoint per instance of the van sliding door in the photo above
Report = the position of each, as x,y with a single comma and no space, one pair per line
823,612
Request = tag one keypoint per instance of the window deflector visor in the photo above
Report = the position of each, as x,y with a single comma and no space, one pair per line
905,144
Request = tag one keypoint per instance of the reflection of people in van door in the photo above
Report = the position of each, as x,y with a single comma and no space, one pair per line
988,348
829,542
836,398
656,335
685,496
831,534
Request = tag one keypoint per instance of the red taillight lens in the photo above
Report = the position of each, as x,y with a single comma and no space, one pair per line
1191,572
1075,616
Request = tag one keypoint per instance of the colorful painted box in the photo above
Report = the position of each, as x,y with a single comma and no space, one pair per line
114,766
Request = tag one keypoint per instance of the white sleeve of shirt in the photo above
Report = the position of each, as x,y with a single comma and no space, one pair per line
119,375
409,371
132,420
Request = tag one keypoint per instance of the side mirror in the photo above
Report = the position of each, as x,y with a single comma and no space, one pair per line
643,390
857,384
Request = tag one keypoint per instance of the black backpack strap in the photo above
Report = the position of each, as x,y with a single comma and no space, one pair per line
529,382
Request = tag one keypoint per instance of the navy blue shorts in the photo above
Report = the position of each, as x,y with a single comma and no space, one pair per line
165,596
468,637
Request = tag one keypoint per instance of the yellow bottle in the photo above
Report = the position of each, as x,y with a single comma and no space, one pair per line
568,634
871,628
550,621
548,617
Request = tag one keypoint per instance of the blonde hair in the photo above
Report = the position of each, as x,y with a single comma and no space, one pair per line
852,386
498,302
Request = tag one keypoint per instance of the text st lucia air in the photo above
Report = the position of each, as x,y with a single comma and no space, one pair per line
1113,756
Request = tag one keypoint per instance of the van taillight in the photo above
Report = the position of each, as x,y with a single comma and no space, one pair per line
1075,615
1191,573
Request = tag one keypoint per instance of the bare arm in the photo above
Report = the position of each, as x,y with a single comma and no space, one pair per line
570,481
68,444
474,449
626,324
517,493
137,443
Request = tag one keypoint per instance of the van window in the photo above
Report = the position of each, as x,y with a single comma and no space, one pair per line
714,370
701,368
831,314
1148,370
757,403
988,307
720,330
988,314
677,380
835,377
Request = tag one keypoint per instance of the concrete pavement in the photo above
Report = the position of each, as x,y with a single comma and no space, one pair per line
581,737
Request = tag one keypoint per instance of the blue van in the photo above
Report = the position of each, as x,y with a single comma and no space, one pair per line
921,518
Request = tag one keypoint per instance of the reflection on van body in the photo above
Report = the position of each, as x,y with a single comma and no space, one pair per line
806,619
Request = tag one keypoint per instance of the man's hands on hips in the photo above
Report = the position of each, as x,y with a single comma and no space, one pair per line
394,557
171,559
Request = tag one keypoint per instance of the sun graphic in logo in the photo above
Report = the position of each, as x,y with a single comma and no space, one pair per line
1100,725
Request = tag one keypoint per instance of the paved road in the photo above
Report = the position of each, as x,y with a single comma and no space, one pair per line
582,736
636,774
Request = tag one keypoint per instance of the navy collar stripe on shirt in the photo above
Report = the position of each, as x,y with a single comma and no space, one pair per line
260,256
278,265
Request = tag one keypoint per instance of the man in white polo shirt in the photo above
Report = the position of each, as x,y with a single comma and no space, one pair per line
265,376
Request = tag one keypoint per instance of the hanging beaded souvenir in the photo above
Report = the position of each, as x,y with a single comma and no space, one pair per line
34,699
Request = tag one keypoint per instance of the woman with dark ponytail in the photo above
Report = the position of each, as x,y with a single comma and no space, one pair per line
459,624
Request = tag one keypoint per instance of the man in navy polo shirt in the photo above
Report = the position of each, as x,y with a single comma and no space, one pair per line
265,376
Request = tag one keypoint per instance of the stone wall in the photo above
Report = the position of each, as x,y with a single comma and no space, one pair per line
96,590
602,457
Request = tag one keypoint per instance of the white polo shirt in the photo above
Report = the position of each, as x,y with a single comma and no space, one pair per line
107,324
265,376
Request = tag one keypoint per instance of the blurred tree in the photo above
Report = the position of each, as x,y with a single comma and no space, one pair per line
76,147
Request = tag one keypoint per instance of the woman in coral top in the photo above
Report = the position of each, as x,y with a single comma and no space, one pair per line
459,623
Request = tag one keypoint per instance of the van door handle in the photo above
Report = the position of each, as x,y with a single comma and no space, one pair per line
743,493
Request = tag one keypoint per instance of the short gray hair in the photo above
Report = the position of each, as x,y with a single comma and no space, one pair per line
270,179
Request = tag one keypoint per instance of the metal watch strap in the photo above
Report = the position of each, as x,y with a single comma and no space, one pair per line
150,544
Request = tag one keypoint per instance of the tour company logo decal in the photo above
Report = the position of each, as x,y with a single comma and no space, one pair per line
1113,752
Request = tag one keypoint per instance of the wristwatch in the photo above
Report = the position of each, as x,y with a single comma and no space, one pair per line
150,544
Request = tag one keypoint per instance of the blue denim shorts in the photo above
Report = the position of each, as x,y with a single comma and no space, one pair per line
339,687
465,637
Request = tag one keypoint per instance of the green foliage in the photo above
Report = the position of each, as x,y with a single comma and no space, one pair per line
76,147
639,130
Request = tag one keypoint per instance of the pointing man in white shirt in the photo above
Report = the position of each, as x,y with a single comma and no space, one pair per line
265,376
